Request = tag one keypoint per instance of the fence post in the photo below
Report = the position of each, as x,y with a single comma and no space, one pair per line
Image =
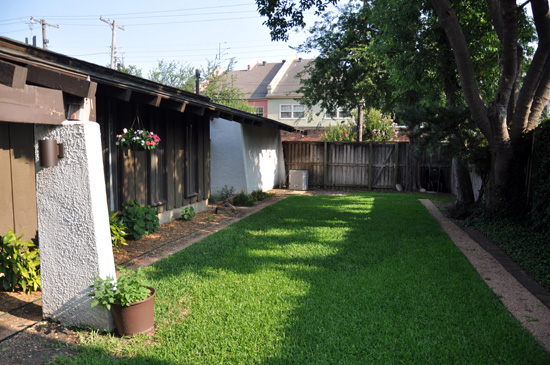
370,165
396,169
325,172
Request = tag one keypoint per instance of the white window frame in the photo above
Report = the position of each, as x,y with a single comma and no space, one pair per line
297,111
338,115
260,110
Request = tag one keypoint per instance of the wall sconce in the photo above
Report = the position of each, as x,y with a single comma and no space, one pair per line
49,151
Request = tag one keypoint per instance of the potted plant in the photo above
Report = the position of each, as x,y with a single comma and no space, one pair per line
131,300
138,138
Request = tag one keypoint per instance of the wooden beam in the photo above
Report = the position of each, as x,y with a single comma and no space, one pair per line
197,110
31,104
176,105
149,99
119,93
70,84
12,75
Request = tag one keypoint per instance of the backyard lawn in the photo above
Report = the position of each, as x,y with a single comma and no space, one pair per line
362,278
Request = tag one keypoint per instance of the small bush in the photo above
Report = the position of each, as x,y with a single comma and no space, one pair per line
118,232
259,195
187,214
226,192
243,199
213,199
19,264
139,220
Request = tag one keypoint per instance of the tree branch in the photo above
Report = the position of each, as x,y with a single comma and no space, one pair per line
449,22
496,17
532,83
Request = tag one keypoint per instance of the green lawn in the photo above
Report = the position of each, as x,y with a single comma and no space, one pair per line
363,278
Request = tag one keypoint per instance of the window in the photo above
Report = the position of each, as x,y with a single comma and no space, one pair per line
338,114
292,111
260,111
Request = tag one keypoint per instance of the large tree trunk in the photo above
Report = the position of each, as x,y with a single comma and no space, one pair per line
506,187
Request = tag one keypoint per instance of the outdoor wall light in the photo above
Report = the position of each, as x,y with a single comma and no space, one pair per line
49,151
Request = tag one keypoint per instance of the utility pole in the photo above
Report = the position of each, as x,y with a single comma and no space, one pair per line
113,41
45,40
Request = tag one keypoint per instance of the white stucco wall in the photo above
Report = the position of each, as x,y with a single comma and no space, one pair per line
226,156
262,153
245,157
73,225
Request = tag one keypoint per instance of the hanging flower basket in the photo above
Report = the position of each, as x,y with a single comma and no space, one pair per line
139,138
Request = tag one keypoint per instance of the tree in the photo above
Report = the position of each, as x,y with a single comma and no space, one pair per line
347,73
507,117
130,69
175,74
216,85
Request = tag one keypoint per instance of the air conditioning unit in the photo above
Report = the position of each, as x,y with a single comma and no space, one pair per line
297,180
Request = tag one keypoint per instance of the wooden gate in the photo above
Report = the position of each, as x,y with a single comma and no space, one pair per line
18,182
365,165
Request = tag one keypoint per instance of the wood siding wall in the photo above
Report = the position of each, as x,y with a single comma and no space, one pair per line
18,182
155,177
363,165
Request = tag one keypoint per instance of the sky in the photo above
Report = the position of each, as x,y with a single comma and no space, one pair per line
190,32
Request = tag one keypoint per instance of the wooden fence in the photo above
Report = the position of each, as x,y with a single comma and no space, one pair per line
367,165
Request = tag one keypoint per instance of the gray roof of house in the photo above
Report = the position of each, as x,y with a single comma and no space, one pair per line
254,82
290,82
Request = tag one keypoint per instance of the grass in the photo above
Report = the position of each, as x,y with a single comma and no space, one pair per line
364,278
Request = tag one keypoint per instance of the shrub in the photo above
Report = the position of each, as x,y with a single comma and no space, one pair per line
118,232
226,192
188,213
259,195
243,199
139,220
20,264
540,208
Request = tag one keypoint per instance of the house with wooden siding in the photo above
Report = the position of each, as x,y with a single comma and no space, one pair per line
81,108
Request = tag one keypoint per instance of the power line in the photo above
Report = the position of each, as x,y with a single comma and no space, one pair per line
113,42
45,40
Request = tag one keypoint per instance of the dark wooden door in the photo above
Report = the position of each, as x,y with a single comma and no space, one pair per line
18,181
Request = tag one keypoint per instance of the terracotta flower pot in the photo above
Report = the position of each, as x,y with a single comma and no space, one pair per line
138,318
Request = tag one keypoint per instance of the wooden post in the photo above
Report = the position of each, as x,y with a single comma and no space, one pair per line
396,168
370,165
325,172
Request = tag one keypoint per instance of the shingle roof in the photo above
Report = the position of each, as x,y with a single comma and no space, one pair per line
290,83
254,82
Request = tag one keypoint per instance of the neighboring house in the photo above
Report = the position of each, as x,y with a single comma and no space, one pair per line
273,89
45,96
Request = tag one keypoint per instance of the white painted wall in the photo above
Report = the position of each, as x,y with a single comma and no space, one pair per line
73,224
262,153
245,157
226,156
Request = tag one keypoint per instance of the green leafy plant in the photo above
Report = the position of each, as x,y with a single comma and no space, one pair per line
118,232
187,214
139,220
20,265
131,287
259,195
243,199
226,192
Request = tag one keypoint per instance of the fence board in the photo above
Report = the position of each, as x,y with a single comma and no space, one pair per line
357,165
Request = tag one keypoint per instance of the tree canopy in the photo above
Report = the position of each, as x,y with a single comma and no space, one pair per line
444,52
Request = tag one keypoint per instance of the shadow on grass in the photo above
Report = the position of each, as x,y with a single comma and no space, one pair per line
331,279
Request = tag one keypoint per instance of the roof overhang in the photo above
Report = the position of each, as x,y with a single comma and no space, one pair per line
43,78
